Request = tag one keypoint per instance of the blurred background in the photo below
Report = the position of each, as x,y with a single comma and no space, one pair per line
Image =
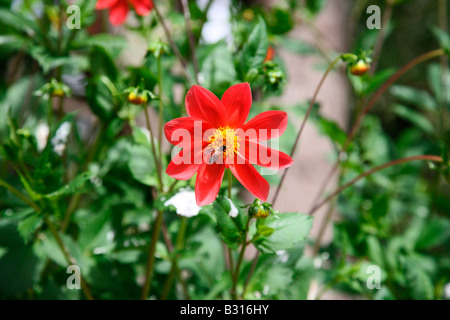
397,219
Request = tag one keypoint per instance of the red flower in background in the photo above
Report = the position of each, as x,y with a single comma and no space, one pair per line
118,9
219,138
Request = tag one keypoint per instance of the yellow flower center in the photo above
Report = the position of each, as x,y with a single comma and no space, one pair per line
223,144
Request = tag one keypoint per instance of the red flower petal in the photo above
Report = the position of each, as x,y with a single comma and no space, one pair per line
142,7
255,153
237,101
185,131
104,4
202,103
207,185
184,170
266,125
251,180
118,12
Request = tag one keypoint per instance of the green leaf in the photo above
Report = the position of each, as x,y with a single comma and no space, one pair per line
436,77
414,117
17,22
49,62
375,251
442,37
217,66
315,6
278,279
296,46
418,281
227,228
415,97
289,230
19,266
433,233
142,165
100,97
378,79
112,44
72,187
28,226
255,49
332,130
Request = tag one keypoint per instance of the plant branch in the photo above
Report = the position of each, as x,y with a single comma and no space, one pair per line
302,126
151,256
172,43
67,256
365,174
187,18
152,145
20,195
367,108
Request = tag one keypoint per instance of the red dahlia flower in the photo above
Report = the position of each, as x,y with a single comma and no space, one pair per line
118,9
215,136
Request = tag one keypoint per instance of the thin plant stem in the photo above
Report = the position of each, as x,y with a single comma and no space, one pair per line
172,43
160,116
230,181
302,126
367,108
367,173
75,200
67,256
387,14
443,25
61,108
20,195
239,261
179,245
322,228
172,186
228,252
153,148
250,273
151,256
187,18
50,112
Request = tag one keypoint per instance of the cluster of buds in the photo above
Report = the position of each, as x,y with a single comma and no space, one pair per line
357,64
260,210
53,88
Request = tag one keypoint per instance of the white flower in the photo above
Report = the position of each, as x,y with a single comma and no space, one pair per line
233,211
447,291
42,132
60,138
184,202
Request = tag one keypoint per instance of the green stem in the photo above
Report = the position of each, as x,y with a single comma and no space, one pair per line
365,174
302,126
367,108
20,195
239,261
172,43
151,256
160,113
152,145
75,200
179,245
187,18
50,112
250,274
67,256
230,180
